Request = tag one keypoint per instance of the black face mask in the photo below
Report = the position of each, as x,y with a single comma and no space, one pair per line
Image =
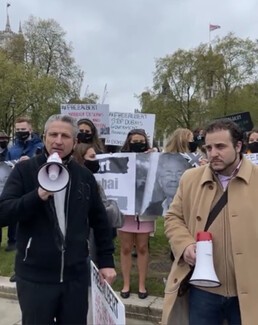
138,147
92,165
253,147
3,144
192,146
84,137
22,135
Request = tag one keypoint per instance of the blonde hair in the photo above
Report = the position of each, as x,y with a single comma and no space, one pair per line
178,141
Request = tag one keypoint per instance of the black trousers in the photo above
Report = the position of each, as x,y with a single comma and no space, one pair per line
63,303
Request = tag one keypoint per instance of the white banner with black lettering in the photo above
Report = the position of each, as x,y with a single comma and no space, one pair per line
107,308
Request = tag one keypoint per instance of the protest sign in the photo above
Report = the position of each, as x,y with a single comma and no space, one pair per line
121,123
253,157
97,113
107,308
5,170
243,120
117,177
142,183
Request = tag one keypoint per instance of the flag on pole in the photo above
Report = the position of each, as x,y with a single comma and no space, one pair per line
213,27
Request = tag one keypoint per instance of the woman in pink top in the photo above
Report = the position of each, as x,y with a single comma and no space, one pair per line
135,231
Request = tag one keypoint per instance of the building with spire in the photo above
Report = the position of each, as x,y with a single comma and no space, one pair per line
7,34
13,44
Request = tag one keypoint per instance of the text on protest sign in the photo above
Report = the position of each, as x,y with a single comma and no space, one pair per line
107,308
121,123
97,113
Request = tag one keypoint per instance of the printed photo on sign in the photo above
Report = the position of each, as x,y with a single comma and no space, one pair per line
117,177
97,113
163,183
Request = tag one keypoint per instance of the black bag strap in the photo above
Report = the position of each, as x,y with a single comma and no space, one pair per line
216,209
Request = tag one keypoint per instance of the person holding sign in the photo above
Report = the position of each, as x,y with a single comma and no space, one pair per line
135,231
88,133
53,226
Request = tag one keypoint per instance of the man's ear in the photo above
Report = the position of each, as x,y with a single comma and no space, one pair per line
239,146
75,143
44,138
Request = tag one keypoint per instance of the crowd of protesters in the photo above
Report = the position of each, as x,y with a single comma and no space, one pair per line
82,149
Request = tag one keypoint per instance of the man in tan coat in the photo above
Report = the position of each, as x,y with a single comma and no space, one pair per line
234,232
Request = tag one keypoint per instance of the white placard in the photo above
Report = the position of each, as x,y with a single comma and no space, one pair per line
117,176
253,157
107,308
121,123
97,113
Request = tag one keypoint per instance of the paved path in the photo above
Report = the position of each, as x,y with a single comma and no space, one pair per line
10,314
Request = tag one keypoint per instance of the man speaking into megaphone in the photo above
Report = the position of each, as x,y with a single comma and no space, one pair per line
55,201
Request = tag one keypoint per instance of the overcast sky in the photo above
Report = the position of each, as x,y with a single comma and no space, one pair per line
116,42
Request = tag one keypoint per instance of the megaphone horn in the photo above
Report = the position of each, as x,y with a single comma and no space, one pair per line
53,176
204,274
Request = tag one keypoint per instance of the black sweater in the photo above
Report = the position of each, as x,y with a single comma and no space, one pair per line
43,254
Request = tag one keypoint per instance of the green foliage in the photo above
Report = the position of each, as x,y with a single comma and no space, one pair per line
6,258
191,87
37,73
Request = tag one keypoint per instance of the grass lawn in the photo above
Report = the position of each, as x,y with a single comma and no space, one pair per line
6,258
159,263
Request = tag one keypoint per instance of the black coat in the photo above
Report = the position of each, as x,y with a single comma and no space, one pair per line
43,253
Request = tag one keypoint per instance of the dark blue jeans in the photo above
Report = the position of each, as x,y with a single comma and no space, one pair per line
207,308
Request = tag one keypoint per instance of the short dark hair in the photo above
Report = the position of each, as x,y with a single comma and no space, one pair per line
226,124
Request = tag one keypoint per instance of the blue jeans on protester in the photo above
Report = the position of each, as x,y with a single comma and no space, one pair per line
207,308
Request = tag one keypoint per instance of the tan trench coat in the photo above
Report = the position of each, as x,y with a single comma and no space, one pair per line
189,212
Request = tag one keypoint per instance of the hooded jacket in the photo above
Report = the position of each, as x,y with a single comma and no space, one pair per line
43,253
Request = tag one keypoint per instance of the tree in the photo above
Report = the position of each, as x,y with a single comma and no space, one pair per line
47,50
38,73
192,87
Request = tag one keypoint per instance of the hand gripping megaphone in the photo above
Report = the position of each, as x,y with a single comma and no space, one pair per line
53,176
204,274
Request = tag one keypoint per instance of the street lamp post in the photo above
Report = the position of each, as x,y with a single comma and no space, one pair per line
13,104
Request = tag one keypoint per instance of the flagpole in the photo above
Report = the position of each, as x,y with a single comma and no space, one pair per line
209,35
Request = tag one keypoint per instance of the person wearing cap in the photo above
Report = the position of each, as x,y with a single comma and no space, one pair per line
88,133
234,234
